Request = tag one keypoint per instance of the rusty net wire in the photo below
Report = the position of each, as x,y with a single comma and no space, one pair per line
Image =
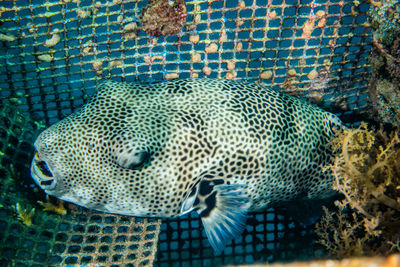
53,53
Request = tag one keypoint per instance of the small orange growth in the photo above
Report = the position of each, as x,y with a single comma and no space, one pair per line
292,72
308,27
171,76
197,19
272,15
212,48
130,30
231,75
88,48
150,59
239,47
55,39
230,65
223,37
327,64
207,70
313,74
320,14
46,57
48,206
321,23
239,22
266,74
83,12
194,38
97,64
130,27
115,63
196,57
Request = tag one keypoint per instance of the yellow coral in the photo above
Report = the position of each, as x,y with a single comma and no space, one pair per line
366,169
48,206
23,215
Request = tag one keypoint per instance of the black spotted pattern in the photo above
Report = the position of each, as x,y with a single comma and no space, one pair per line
191,130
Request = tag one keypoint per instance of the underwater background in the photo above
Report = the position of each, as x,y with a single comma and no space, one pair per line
340,55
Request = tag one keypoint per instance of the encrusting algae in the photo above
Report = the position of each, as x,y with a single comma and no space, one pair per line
367,173
163,17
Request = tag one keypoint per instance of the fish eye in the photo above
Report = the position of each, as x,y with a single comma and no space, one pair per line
142,159
44,168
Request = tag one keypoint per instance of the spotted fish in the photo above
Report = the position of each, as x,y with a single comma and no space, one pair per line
217,147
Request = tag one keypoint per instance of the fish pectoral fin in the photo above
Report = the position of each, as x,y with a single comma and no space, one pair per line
224,213
188,204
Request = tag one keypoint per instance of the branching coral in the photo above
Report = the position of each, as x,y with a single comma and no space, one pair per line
367,173
49,206
24,215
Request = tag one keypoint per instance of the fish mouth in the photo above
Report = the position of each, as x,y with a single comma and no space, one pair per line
42,173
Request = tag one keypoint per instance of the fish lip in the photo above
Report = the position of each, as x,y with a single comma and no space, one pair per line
46,182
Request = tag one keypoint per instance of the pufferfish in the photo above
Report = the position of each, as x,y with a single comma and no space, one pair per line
221,148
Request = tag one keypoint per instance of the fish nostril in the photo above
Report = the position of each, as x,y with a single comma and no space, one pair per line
44,169
48,182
